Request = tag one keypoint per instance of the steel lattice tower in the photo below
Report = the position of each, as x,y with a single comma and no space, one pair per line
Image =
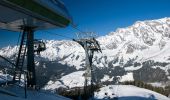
90,45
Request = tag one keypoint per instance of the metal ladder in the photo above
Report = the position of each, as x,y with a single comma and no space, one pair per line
20,59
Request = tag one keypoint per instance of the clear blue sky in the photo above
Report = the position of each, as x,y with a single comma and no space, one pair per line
100,16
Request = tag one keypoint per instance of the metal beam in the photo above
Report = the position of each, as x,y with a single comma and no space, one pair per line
31,77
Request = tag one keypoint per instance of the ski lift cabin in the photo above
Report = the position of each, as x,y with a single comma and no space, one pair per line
39,46
30,16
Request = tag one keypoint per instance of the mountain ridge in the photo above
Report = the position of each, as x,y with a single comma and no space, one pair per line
141,49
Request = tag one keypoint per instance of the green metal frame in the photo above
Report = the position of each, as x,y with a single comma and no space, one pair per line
37,8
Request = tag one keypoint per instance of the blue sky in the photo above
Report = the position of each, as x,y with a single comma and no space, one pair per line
100,16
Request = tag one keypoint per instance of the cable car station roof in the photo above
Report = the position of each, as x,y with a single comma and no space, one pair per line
41,14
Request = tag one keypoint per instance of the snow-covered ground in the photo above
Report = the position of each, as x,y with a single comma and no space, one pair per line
121,92
5,77
128,92
158,84
127,77
74,79
16,93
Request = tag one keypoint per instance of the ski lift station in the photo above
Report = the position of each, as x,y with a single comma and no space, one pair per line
29,16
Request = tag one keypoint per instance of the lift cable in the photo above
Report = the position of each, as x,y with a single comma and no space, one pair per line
19,36
75,27
84,34
58,35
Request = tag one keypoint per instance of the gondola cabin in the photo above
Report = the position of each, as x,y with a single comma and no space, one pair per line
39,46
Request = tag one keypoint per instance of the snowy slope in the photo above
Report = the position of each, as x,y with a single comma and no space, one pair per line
16,93
34,96
128,92
74,79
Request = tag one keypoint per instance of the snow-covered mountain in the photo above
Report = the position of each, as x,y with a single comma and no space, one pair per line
137,52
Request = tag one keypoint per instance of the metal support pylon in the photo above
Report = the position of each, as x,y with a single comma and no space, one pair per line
31,77
90,46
